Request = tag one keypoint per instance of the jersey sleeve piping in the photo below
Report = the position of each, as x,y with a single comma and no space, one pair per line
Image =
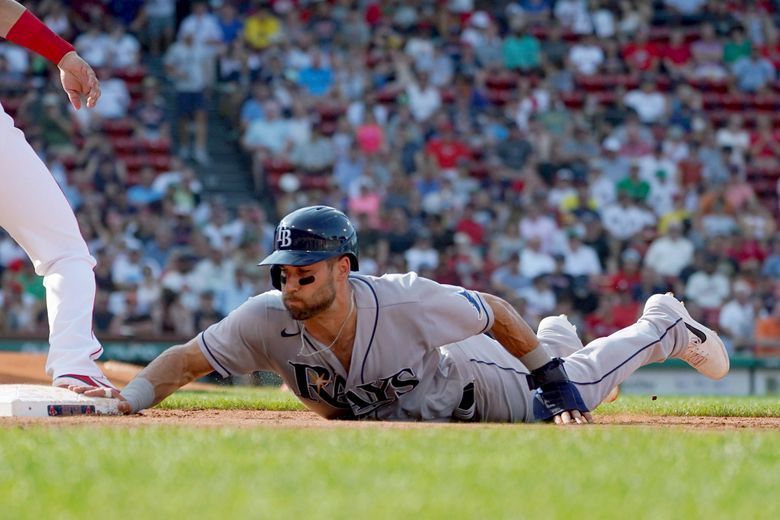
204,347
487,314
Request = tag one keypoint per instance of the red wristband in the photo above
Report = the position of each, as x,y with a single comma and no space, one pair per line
31,33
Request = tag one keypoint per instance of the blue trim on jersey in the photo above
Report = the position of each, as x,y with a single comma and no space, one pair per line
487,315
373,332
630,357
203,339
490,363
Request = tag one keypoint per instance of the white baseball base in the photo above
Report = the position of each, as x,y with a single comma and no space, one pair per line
49,401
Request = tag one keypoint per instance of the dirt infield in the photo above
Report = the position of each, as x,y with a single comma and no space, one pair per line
23,368
297,420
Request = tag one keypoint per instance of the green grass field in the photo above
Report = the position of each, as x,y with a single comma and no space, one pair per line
521,471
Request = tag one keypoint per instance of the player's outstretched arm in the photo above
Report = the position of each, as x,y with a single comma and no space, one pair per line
173,369
555,397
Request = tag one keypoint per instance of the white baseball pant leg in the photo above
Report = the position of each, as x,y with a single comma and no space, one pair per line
606,362
36,214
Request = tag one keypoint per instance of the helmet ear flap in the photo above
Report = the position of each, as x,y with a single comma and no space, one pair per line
276,277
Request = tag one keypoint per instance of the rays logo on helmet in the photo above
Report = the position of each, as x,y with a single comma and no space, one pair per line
285,238
473,301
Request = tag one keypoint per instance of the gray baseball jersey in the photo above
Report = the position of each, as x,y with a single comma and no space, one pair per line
420,353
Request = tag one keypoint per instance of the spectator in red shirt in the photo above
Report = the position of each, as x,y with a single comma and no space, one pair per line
629,276
764,143
691,168
469,225
447,150
625,310
743,249
642,55
600,323
677,56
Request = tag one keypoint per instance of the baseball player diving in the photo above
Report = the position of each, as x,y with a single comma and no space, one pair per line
36,214
402,347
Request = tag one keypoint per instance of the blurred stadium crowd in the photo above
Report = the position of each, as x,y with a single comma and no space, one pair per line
573,156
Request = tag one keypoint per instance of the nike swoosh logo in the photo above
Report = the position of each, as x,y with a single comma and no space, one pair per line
286,334
699,334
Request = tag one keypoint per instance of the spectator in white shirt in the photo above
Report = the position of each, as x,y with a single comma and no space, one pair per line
624,219
17,57
422,255
534,261
601,187
93,45
128,267
670,253
650,165
603,19
57,20
222,233
586,57
239,290
686,7
203,25
663,190
738,318
266,138
114,96
474,33
215,272
573,15
187,64
735,136
708,287
123,48
580,260
648,102
424,98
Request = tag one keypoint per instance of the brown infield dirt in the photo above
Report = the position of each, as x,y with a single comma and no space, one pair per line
16,368
304,419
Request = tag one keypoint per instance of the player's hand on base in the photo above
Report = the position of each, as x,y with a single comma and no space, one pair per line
573,417
78,79
90,391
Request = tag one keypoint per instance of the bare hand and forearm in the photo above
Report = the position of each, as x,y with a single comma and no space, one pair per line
514,334
173,369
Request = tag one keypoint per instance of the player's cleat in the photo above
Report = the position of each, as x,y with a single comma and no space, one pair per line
66,380
706,351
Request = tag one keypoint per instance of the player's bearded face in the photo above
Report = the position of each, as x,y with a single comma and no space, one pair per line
304,307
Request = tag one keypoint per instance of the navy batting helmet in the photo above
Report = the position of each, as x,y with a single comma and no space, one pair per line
309,235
